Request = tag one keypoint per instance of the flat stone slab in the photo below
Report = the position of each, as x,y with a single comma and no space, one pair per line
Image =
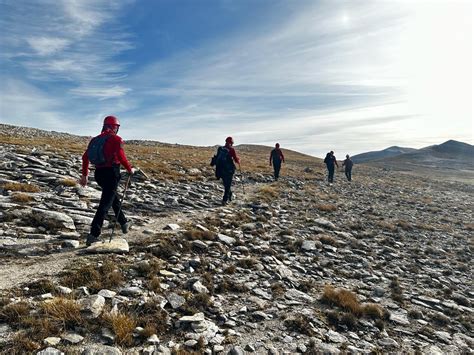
117,245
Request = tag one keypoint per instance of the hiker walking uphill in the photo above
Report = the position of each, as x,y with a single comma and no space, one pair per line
331,164
347,164
276,158
225,167
106,152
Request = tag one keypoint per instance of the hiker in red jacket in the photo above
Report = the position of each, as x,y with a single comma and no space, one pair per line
109,148
276,157
225,167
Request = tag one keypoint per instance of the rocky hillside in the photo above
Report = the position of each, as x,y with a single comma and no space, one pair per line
379,265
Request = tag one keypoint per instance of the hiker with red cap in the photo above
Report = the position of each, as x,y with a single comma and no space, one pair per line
106,152
225,167
276,157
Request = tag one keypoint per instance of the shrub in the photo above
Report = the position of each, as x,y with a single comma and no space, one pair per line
326,239
326,207
68,182
194,234
13,313
21,198
300,323
123,326
62,310
20,187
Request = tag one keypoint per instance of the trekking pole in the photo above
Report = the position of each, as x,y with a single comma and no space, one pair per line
242,179
120,208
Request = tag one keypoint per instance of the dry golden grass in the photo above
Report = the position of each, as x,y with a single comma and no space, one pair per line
63,310
20,187
68,182
13,313
21,344
122,325
347,300
197,234
404,225
326,207
21,198
268,193
327,239
386,226
97,278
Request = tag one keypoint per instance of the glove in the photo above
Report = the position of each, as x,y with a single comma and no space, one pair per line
133,171
83,181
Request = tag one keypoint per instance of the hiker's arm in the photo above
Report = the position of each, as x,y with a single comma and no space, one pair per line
282,157
85,169
234,156
123,159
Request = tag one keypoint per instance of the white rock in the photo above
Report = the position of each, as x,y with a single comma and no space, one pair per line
117,245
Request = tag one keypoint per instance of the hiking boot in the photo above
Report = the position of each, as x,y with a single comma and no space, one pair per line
224,202
92,239
125,227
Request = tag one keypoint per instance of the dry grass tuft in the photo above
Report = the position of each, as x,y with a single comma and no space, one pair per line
96,278
301,324
404,225
326,207
21,198
278,289
123,326
21,344
39,287
230,270
62,310
347,300
268,193
13,313
68,182
197,234
247,263
20,187
386,226
327,239
229,285
397,291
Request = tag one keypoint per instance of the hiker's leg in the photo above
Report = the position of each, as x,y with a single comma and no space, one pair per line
331,175
106,181
277,170
227,180
349,172
116,202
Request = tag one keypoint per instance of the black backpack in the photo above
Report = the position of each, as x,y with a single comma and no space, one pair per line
223,162
95,150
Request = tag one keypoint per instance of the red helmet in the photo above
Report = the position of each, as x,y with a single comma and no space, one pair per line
111,121
229,140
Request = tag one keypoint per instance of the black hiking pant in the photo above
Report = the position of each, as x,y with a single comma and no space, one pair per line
276,169
108,179
331,174
348,174
227,180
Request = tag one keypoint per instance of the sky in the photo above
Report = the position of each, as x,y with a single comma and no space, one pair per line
349,76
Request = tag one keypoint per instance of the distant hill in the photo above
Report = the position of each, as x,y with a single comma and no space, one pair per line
450,160
381,154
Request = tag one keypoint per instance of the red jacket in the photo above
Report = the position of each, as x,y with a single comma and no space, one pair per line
276,155
113,152
232,153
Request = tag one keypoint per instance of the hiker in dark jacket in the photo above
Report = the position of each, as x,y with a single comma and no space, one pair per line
276,157
347,164
107,175
331,163
225,167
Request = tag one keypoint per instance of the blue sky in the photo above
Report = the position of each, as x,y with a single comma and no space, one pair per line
348,76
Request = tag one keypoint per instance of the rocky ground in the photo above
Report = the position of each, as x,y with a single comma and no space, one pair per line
379,265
